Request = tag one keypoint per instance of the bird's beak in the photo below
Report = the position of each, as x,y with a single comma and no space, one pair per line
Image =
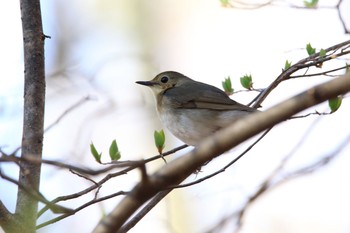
146,83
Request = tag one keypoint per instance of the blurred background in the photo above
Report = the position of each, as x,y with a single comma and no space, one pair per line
99,48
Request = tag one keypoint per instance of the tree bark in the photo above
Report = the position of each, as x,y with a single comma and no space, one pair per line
33,117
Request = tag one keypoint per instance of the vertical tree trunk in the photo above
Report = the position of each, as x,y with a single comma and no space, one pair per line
33,118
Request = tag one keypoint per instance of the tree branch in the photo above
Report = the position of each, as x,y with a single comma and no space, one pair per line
153,202
332,52
179,169
5,218
33,117
68,110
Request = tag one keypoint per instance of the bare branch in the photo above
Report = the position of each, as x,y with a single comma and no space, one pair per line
152,203
280,3
162,194
67,214
346,30
227,165
84,170
326,73
127,165
313,60
36,195
67,111
270,182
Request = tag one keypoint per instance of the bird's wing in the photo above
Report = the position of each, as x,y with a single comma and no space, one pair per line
203,96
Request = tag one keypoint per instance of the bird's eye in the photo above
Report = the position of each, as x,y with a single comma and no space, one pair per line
164,79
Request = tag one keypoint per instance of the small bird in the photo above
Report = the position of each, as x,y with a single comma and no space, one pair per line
193,110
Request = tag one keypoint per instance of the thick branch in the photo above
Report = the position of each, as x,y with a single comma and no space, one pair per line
33,118
178,170
5,218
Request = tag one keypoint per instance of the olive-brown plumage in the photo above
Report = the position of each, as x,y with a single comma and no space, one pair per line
193,110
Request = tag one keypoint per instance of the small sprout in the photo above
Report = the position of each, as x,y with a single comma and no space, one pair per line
334,103
311,4
246,82
159,140
114,152
287,65
94,152
310,50
227,86
322,53
225,3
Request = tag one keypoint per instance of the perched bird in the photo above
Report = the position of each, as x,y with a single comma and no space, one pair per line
193,110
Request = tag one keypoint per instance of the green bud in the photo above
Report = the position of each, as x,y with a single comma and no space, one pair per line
322,53
114,152
334,103
287,64
247,82
227,86
311,4
310,50
94,153
159,140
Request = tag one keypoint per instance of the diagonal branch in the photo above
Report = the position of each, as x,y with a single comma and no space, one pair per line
179,169
127,226
68,110
333,52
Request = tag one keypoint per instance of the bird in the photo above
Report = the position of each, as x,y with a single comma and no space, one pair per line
193,110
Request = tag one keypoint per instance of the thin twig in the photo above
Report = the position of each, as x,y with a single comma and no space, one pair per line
154,201
326,73
84,170
94,201
36,195
67,111
310,61
97,185
226,166
142,213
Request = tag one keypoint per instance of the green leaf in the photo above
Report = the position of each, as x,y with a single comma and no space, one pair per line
287,64
247,82
322,53
335,103
310,50
114,153
94,152
311,4
159,140
227,86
